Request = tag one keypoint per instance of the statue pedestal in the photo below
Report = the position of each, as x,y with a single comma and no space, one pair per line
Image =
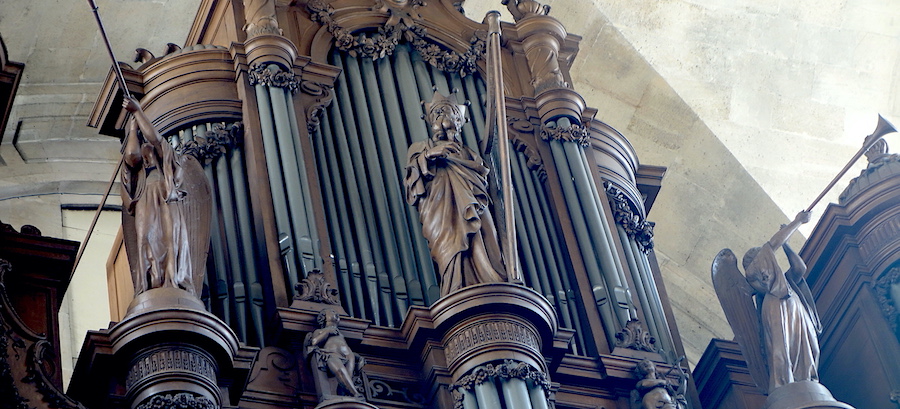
173,350
345,403
803,395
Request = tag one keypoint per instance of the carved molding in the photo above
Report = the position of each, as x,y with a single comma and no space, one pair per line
315,288
271,75
403,23
174,359
177,401
634,336
509,369
572,133
322,95
630,218
490,331
214,143
880,237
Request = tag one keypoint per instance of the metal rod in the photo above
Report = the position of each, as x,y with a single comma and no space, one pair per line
115,64
495,80
884,128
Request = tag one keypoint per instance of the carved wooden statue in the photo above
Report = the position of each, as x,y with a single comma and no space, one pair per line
447,182
335,363
779,333
166,203
655,392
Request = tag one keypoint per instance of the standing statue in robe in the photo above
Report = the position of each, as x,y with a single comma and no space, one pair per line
166,210
779,333
448,183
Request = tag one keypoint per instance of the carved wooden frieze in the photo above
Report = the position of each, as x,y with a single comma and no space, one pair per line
166,361
490,332
882,236
182,400
404,22
630,218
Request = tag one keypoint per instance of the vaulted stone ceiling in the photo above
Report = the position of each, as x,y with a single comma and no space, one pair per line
753,105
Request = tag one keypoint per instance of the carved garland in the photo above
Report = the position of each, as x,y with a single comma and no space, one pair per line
315,288
633,336
509,369
214,143
177,401
572,133
630,218
883,295
402,22
272,75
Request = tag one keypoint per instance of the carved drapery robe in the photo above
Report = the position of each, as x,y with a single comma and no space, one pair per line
151,192
789,322
450,191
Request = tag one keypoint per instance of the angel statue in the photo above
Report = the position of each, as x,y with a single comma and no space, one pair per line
166,210
337,364
779,332
447,182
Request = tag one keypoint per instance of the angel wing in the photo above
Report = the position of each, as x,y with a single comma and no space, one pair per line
735,296
196,207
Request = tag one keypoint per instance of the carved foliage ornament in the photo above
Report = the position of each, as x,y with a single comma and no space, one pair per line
214,143
322,95
633,336
393,391
402,23
518,127
572,133
177,401
630,218
507,370
315,288
272,75
883,292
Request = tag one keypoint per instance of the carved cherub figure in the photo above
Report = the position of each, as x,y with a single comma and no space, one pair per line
779,333
655,392
328,349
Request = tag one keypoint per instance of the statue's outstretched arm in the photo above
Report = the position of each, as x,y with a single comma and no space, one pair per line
781,237
131,105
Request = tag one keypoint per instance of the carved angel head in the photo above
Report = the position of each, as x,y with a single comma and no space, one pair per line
445,117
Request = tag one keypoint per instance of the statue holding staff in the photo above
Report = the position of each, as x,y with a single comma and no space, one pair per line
166,205
447,182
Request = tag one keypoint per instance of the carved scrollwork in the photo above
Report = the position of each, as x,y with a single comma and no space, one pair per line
509,369
633,336
517,128
214,143
322,94
572,133
389,390
272,75
630,218
402,23
315,288
177,401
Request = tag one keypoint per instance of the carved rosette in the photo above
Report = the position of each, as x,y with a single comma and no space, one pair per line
214,143
271,75
572,133
315,288
630,218
633,336
509,369
402,23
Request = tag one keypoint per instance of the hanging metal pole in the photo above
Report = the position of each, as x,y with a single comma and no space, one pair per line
112,180
496,119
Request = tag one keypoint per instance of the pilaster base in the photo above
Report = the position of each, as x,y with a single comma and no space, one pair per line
803,395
